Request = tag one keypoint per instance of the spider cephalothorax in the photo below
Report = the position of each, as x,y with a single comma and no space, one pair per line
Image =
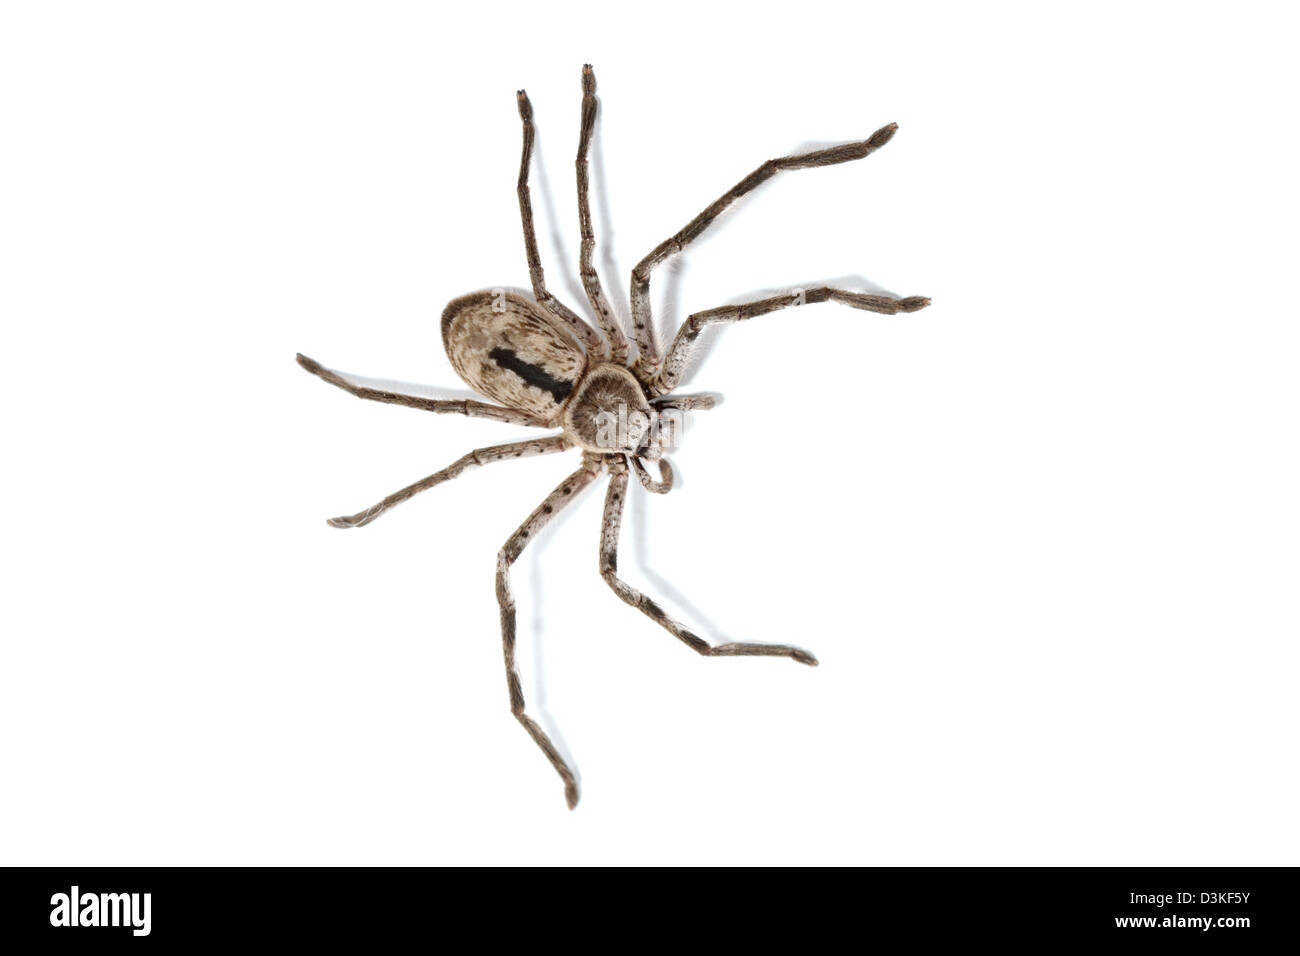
546,367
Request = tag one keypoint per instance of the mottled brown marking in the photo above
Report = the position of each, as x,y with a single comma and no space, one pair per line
545,361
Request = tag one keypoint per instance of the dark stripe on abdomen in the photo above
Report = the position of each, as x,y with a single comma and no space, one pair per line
534,376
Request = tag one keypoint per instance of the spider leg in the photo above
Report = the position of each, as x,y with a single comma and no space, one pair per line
456,407
647,363
614,500
509,552
588,336
684,403
590,278
679,353
480,456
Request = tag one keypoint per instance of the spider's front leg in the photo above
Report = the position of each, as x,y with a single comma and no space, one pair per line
647,363
614,501
679,353
509,553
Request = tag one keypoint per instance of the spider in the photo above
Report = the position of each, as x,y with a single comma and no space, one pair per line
547,368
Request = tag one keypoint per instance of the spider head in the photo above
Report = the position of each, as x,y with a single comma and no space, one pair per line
609,413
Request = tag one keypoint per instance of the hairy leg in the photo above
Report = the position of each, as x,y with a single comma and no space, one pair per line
588,336
586,267
614,500
684,403
647,363
451,407
509,553
480,456
684,342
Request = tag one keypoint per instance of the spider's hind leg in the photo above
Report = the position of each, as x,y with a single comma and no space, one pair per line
614,501
589,337
467,407
586,266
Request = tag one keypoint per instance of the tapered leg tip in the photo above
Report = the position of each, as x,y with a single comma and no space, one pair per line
571,795
882,136
360,519
803,657
310,365
913,304
525,107
588,79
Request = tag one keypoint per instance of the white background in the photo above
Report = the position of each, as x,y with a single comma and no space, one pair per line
1042,536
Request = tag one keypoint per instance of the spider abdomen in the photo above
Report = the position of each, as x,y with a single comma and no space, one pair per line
513,351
